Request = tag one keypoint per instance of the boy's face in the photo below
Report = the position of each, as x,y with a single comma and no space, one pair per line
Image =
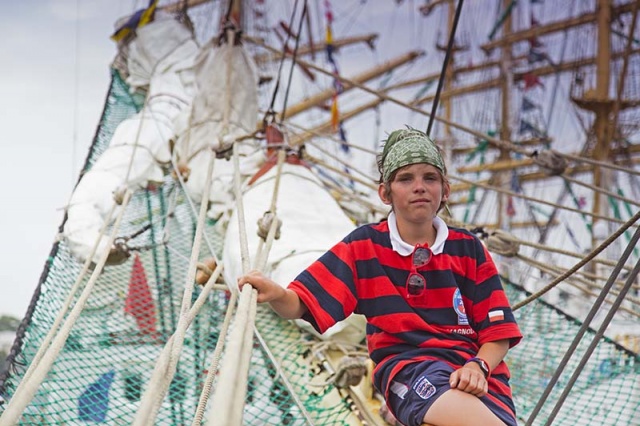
417,191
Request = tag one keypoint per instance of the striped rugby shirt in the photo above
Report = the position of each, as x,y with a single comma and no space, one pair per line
463,306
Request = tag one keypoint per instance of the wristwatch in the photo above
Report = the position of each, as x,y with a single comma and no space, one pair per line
483,365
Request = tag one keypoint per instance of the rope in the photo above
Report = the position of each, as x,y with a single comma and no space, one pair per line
42,349
583,328
445,64
499,242
274,228
165,367
222,404
506,145
525,197
215,360
543,247
554,270
580,264
27,389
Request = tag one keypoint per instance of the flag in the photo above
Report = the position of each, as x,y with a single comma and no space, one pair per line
527,104
531,80
526,127
139,302
536,56
496,315
139,19
511,208
335,114
93,404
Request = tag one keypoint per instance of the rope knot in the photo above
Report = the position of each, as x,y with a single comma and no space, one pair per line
264,224
502,243
119,252
118,194
554,163
350,372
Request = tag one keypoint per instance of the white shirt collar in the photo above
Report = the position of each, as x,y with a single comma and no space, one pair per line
405,249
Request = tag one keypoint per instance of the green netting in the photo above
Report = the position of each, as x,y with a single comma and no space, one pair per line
109,357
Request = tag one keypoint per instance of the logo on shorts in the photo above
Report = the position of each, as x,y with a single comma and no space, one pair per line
424,388
458,306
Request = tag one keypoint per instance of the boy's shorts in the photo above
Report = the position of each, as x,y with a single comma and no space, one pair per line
416,387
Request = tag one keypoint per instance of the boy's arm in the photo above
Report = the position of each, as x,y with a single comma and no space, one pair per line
285,302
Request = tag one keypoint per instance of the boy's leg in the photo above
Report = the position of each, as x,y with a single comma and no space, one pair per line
458,408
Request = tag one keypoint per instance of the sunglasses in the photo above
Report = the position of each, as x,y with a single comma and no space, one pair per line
416,282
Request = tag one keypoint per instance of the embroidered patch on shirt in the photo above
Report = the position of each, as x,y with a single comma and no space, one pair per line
458,306
399,389
424,388
497,315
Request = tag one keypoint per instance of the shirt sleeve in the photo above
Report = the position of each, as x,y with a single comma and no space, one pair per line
327,288
492,315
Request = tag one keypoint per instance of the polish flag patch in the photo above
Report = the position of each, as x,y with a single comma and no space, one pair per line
497,315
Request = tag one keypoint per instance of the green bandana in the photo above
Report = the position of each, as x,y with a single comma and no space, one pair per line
410,146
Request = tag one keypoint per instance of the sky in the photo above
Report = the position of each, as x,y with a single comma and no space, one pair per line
53,81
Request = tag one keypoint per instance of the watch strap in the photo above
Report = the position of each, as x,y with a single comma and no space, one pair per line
484,366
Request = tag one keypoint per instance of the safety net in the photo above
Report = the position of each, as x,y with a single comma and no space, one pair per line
109,356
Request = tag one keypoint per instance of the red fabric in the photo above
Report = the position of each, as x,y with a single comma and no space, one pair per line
139,302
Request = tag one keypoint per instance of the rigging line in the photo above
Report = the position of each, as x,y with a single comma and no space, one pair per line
543,247
215,360
556,83
585,260
53,330
262,252
293,61
341,161
229,387
601,190
606,165
281,64
319,162
445,64
354,197
596,338
165,368
537,200
623,73
508,145
19,401
581,284
330,137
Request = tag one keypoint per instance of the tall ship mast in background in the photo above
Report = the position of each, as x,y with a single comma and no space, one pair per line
245,131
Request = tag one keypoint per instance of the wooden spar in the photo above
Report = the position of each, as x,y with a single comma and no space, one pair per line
587,18
368,39
540,71
177,6
527,177
526,143
325,95
601,122
325,127
506,84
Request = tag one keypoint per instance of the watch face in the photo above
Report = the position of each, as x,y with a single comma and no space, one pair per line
483,365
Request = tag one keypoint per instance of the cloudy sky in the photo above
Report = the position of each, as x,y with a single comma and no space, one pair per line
53,81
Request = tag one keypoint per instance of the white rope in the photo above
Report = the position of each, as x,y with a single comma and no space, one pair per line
65,307
262,254
222,404
215,360
20,400
166,365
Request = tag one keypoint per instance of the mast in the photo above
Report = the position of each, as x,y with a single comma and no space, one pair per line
502,178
